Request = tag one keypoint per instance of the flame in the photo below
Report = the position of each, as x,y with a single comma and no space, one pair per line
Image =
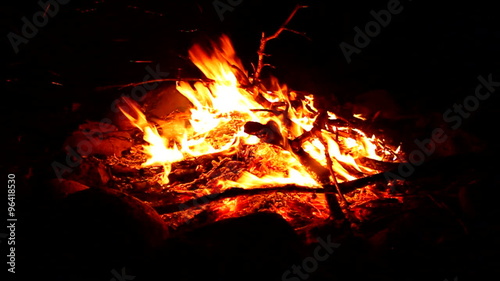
217,117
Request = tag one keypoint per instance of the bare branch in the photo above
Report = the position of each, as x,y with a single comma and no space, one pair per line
206,80
298,33
264,40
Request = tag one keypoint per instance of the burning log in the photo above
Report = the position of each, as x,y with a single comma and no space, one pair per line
268,133
451,165
345,187
378,165
183,175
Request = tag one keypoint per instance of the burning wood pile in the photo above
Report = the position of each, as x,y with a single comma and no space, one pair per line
246,146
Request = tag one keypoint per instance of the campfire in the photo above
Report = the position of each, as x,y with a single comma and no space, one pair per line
231,145
247,145
229,167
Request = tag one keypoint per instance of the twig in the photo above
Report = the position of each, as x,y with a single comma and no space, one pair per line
387,148
264,40
241,76
206,80
332,199
329,163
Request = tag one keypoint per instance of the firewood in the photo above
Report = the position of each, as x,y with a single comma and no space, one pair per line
268,133
452,164
235,192
204,80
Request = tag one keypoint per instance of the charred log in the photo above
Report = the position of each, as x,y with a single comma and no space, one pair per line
450,166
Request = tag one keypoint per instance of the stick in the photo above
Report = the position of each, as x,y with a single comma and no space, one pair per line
206,80
344,187
330,168
235,192
264,40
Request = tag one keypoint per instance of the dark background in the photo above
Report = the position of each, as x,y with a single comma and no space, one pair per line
425,60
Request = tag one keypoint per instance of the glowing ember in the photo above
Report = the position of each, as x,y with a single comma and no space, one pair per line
266,126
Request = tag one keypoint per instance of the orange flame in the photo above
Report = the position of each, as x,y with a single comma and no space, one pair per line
220,111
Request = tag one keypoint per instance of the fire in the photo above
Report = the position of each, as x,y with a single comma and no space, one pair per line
229,118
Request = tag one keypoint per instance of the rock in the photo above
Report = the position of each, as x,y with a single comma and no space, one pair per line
157,104
91,172
60,188
91,232
256,247
165,100
96,138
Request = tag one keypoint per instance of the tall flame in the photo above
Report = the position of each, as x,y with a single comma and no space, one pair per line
218,116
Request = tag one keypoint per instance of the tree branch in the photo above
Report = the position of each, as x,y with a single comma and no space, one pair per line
264,40
206,80
344,187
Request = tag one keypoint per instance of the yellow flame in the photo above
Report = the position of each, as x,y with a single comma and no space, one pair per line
221,108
